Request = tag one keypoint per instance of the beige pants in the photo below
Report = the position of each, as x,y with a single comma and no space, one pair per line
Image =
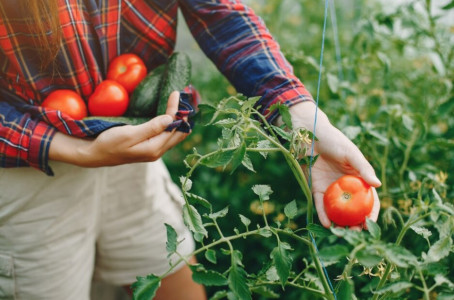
58,233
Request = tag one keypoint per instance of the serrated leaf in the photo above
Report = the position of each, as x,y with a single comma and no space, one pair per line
282,133
373,229
195,199
264,232
220,214
271,274
440,280
186,183
439,250
247,163
145,287
218,158
394,288
193,220
245,221
398,255
237,282
333,253
238,157
291,210
424,232
368,257
227,122
282,261
263,191
207,277
171,244
210,255
264,144
318,230
286,117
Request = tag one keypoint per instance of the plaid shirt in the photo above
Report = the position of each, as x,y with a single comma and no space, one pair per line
94,32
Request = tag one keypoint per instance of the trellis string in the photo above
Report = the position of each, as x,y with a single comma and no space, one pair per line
313,138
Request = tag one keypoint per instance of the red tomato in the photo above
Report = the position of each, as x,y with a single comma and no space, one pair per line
348,201
128,69
68,102
110,99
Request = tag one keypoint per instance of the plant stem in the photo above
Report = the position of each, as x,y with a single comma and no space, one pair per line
407,153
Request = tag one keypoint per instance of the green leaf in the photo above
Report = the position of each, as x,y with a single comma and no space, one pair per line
265,292
207,277
282,133
145,287
439,250
220,214
210,255
394,287
286,117
333,82
271,274
282,261
263,191
245,221
448,6
199,200
345,290
368,257
247,163
218,158
227,122
424,232
265,232
219,295
318,230
238,156
171,244
373,229
441,280
291,210
333,253
186,183
398,255
264,144
193,220
237,282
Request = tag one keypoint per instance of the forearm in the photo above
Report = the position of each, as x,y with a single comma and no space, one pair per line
68,149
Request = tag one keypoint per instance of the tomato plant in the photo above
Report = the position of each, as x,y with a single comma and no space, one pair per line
348,201
127,69
67,101
109,99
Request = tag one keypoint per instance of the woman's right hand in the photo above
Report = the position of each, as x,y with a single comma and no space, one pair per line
121,144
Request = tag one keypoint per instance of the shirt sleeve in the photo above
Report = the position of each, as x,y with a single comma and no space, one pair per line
26,132
241,47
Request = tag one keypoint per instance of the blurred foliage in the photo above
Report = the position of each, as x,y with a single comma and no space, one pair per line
387,84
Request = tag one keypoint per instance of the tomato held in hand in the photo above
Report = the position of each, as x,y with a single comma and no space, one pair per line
127,69
110,99
348,201
68,102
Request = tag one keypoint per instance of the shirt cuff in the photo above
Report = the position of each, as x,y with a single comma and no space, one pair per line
38,149
288,97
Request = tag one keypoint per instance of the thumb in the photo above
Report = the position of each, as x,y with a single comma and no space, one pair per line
364,168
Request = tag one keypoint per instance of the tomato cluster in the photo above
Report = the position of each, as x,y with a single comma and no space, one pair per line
110,98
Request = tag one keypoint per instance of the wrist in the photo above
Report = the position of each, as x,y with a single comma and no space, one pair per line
69,149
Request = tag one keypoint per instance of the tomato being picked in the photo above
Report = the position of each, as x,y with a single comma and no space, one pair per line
68,102
128,69
110,99
348,201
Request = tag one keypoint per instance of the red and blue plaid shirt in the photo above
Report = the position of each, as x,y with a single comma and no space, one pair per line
94,32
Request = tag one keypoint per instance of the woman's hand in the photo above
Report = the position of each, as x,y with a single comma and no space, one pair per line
121,144
338,157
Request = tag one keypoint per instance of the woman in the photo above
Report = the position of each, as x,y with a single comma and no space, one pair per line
56,231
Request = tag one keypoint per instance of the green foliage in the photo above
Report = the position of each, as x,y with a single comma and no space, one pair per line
247,204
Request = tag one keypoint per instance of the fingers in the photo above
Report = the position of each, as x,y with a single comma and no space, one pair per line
150,129
172,104
365,169
324,220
